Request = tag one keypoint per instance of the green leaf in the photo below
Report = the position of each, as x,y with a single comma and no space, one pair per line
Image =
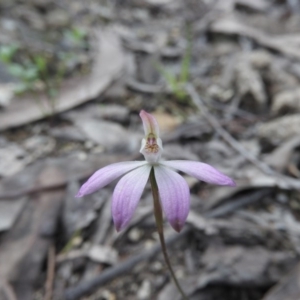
186,62
31,73
76,36
7,53
16,70
22,87
41,63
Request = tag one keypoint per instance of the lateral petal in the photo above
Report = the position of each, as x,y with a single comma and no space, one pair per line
174,195
127,194
200,171
106,175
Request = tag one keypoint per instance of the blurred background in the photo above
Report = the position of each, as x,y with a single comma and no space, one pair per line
222,79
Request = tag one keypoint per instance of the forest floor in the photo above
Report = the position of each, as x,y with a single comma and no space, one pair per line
222,79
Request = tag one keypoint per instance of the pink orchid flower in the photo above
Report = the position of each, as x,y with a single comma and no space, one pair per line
173,190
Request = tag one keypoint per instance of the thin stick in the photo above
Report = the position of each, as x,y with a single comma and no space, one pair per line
285,181
159,223
86,287
50,273
222,132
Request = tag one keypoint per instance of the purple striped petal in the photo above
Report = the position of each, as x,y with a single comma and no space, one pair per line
106,175
174,195
127,194
200,171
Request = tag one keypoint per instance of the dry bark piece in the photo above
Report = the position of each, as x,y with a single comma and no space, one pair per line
286,100
249,81
280,77
107,67
13,159
280,129
9,211
235,266
280,157
288,288
260,59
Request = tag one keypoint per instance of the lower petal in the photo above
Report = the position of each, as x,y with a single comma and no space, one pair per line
174,195
200,171
127,194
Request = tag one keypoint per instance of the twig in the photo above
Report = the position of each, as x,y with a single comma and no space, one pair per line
238,203
284,181
223,133
87,287
50,273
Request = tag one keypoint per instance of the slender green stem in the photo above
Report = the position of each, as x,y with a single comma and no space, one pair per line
160,229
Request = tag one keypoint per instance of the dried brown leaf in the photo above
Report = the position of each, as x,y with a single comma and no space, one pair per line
280,157
286,100
249,81
280,129
24,247
286,44
9,211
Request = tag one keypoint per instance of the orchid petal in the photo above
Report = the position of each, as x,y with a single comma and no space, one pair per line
106,175
174,195
127,194
200,171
